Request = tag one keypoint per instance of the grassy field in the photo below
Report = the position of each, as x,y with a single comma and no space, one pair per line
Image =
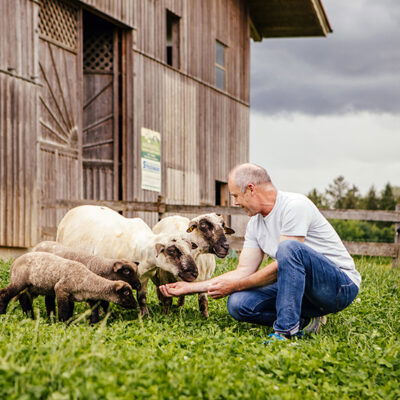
182,356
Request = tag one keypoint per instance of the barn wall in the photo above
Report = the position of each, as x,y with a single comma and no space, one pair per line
120,10
18,123
204,130
201,23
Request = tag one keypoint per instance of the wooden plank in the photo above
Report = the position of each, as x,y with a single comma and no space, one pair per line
354,248
372,249
363,215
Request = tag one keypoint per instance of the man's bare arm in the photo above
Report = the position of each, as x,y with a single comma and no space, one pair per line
262,277
265,276
249,261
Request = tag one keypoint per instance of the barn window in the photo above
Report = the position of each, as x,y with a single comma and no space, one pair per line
220,59
222,198
172,49
221,194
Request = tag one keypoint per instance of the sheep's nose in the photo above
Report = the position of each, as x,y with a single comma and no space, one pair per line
225,245
188,276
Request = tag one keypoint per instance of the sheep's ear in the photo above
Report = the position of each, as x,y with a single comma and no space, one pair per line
119,285
117,266
228,231
192,227
159,248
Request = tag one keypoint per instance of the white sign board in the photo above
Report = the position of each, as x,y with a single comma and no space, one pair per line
151,160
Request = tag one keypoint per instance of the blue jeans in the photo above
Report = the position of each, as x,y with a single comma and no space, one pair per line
308,285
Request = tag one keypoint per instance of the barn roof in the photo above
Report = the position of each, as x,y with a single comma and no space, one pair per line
287,18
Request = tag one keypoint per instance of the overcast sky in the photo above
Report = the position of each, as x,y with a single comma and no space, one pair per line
324,107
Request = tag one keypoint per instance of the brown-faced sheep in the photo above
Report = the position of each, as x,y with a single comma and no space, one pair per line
208,232
46,274
112,269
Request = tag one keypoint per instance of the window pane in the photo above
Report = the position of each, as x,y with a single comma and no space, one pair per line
219,78
220,54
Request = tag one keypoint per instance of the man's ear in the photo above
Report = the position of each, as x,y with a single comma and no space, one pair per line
228,231
159,248
251,186
192,227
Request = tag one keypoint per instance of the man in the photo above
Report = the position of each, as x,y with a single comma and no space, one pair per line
312,275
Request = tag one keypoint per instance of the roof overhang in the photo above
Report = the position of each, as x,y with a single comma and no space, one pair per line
287,18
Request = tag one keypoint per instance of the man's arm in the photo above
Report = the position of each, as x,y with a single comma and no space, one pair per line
265,276
249,261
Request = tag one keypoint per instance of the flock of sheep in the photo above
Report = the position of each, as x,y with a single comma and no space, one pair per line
101,256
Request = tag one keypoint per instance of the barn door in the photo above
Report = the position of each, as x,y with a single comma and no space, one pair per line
60,168
101,143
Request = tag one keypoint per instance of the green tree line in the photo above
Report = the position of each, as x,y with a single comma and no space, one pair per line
342,195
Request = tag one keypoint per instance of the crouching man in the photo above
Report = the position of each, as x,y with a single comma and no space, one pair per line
312,275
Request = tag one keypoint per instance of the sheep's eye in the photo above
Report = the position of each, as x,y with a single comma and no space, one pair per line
126,293
126,271
194,245
223,224
171,252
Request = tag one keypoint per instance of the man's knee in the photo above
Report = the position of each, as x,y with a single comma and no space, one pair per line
287,248
235,305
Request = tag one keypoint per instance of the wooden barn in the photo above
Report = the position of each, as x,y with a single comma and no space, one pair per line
126,100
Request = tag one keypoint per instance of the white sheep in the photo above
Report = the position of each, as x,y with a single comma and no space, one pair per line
207,231
101,231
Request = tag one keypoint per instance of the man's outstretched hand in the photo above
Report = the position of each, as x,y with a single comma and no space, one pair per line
222,288
175,289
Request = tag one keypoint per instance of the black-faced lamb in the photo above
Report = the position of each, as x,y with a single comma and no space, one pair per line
46,274
112,269
208,232
102,231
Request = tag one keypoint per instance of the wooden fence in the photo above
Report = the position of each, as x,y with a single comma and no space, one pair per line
236,242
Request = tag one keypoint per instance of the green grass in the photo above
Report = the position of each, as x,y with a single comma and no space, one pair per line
182,356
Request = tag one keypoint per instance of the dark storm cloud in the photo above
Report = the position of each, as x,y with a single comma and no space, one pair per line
357,68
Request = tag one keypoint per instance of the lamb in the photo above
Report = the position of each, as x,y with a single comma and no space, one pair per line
103,232
112,269
207,231
46,274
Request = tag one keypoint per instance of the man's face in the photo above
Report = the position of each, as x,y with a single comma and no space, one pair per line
245,200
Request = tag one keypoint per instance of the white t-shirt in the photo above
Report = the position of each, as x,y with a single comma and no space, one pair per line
296,215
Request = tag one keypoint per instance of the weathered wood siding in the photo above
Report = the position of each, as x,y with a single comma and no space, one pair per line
204,130
202,23
60,133
120,10
18,123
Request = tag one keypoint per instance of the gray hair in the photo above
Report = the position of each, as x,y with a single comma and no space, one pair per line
244,174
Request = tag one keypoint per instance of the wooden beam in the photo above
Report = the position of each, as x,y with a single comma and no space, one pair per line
354,248
363,215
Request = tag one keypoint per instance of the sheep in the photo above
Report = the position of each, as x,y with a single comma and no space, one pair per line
103,232
112,269
47,274
207,231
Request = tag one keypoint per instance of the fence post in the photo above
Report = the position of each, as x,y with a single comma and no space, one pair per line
396,260
161,207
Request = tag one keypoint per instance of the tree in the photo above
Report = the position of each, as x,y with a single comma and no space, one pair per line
352,199
371,200
318,198
387,200
337,191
